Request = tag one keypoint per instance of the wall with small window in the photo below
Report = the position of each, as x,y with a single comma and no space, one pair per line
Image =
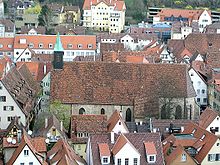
213,156
27,157
214,127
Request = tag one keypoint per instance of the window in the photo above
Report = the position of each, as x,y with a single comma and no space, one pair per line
211,157
204,100
31,45
8,108
21,163
198,91
80,46
2,98
135,161
90,46
10,118
0,87
105,160
102,111
50,45
217,157
1,46
119,162
69,45
203,91
26,152
183,157
126,161
119,123
198,99
41,45
31,163
151,159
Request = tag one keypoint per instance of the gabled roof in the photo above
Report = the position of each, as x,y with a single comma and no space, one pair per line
209,139
25,141
7,44
120,83
104,149
150,148
207,117
113,120
62,153
135,139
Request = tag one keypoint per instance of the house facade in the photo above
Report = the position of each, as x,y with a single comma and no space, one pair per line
44,44
7,28
104,15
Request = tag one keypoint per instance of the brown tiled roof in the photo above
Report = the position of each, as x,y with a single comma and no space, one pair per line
87,124
64,30
62,153
207,117
85,40
22,87
71,8
113,120
209,139
39,29
119,83
39,144
104,149
107,47
25,141
118,5
9,25
136,139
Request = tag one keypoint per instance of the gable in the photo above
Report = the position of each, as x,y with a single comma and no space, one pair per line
128,149
30,158
199,58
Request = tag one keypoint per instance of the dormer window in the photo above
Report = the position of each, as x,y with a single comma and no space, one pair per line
151,152
41,45
31,45
1,46
80,46
151,158
69,45
50,45
90,46
105,160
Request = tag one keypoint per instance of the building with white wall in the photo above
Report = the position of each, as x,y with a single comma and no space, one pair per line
104,15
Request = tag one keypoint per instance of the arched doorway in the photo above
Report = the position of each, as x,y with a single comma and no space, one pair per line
82,111
102,111
178,112
128,115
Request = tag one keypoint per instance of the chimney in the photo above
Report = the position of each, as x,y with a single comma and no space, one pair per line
46,122
19,136
45,69
182,129
154,130
112,137
61,126
121,114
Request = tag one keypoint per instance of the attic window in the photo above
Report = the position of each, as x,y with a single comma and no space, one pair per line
183,157
90,46
41,45
80,46
50,45
69,45
9,46
1,46
210,44
194,130
203,136
31,45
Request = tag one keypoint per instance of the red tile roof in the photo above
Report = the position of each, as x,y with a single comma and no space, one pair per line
104,149
26,140
150,148
119,144
7,44
190,14
62,153
118,4
75,40
207,117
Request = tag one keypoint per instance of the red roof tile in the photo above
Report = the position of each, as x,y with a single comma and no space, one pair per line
150,148
104,149
207,117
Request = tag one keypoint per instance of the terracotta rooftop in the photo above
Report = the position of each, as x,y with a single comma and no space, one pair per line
150,148
47,40
207,117
104,149
62,153
135,139
120,83
7,44
118,5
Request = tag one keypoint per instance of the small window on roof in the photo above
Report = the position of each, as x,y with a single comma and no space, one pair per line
80,46
9,46
50,45
90,46
194,130
70,45
41,45
31,45
1,46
